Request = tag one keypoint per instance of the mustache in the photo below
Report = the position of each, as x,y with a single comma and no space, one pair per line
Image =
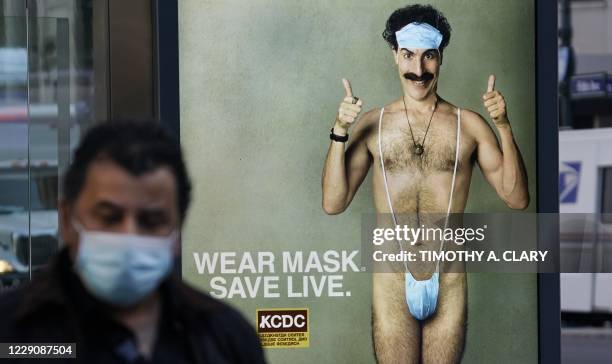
413,77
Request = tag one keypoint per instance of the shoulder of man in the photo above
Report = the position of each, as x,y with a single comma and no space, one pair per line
473,123
372,114
37,308
12,296
368,122
11,299
11,303
230,330
471,116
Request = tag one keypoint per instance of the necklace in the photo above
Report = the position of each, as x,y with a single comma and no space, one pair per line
419,148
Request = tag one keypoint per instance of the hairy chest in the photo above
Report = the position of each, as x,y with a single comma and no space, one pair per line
399,152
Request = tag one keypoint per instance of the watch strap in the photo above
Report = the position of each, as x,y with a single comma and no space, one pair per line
338,138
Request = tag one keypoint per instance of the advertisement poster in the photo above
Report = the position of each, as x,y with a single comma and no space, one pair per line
261,87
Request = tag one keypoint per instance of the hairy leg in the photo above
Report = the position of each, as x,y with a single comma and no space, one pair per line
396,334
444,333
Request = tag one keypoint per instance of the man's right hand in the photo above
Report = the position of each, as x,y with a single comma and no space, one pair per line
348,112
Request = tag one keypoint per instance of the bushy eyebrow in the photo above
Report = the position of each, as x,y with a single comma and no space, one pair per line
431,50
106,205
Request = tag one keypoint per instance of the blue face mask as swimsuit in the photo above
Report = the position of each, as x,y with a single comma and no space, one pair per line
422,296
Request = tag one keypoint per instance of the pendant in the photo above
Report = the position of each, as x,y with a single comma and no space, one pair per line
418,149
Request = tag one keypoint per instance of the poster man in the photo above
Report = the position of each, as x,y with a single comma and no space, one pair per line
422,150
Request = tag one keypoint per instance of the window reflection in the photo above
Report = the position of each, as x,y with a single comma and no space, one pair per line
46,99
13,152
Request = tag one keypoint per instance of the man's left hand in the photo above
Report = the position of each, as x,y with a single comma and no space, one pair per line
495,104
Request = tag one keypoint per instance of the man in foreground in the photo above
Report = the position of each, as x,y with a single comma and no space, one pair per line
422,149
111,289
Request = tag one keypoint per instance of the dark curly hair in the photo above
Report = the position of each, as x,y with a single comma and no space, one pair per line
137,146
416,14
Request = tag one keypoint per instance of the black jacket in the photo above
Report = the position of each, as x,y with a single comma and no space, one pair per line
56,308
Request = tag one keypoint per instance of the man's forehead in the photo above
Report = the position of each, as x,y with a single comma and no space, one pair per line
115,171
106,178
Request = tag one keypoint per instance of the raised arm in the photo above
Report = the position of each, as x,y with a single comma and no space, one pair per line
503,168
344,171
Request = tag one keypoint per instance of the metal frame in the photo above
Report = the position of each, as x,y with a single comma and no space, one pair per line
124,59
549,309
100,35
167,77
167,59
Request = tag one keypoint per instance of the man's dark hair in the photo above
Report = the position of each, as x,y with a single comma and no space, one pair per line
416,14
137,146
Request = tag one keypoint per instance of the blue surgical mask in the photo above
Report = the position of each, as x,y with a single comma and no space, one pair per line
121,269
418,35
422,296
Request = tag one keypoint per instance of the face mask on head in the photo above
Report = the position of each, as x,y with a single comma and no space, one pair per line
422,296
419,36
121,269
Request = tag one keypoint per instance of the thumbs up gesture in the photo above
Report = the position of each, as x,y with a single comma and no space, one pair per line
349,110
495,104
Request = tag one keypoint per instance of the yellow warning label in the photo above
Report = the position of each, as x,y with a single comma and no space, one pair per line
283,327
284,340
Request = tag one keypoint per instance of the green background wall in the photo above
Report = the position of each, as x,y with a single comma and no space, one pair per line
260,86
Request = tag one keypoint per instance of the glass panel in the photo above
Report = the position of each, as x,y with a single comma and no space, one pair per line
49,129
46,100
14,207
14,177
76,20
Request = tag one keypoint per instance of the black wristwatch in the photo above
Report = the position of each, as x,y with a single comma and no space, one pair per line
338,138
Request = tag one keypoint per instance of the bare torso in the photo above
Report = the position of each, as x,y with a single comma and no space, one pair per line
421,185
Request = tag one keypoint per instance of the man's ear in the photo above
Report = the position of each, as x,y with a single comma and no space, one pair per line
395,53
178,245
67,232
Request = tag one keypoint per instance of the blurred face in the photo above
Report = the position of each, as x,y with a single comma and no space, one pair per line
418,70
113,200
